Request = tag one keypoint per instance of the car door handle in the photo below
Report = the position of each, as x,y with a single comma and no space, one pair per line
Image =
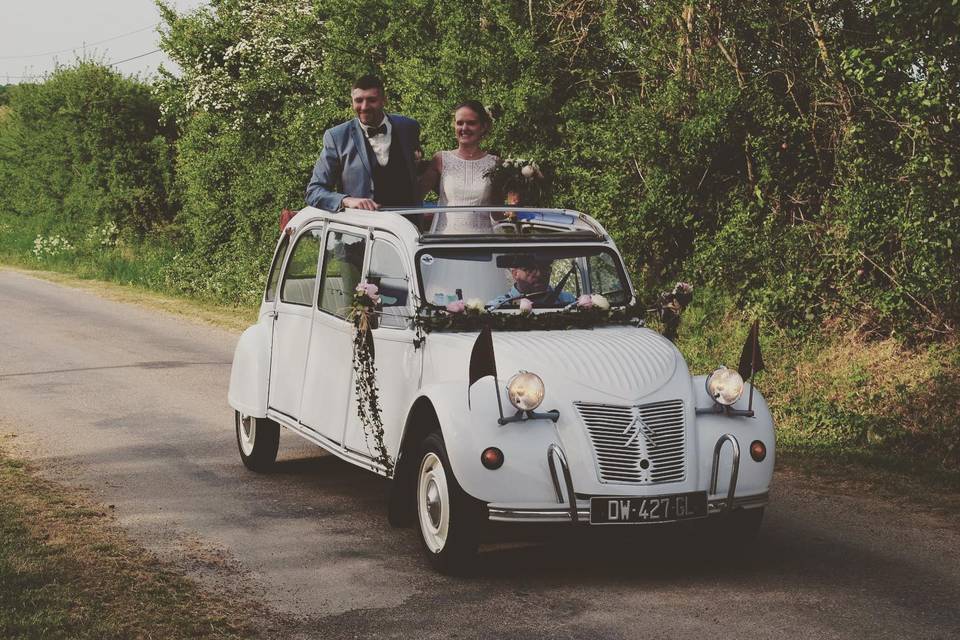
271,314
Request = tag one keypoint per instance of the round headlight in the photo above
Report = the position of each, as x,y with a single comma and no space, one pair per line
525,391
725,386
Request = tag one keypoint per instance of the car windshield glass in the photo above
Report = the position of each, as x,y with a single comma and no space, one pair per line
499,277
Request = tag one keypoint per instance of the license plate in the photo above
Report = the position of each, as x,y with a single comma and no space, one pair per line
615,510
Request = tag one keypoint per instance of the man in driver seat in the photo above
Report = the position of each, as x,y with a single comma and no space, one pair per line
531,279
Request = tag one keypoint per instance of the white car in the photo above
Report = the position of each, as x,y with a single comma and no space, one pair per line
591,419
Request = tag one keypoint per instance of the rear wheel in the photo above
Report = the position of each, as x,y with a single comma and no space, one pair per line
258,440
448,518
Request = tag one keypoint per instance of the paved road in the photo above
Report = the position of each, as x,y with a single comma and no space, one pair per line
130,404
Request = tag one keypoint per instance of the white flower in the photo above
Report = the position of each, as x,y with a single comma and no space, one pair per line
600,302
475,304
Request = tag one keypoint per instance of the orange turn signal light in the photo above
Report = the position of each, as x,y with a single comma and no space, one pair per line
758,450
492,458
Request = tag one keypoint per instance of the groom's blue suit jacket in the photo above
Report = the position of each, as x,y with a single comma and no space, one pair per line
345,169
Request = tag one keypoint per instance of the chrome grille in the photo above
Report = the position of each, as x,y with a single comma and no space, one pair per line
637,445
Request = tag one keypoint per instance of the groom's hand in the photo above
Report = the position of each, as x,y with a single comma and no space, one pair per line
360,203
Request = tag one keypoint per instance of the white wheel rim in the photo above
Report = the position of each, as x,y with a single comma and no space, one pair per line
433,503
247,433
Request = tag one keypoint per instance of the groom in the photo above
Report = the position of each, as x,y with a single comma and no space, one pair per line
367,162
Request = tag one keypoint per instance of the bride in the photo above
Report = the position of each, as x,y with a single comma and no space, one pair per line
459,176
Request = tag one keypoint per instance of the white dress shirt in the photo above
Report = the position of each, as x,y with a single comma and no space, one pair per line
380,143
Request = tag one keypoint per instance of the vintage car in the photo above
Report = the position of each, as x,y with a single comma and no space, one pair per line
590,418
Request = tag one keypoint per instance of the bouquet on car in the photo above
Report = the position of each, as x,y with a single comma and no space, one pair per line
519,179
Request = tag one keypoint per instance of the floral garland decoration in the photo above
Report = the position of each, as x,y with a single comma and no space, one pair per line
365,299
518,176
671,306
471,315
587,312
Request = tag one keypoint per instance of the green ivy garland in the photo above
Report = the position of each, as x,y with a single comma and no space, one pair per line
431,317
587,312
365,300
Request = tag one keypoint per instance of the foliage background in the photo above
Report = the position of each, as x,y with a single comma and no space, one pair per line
805,150
796,158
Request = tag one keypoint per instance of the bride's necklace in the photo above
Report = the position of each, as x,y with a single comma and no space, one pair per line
471,155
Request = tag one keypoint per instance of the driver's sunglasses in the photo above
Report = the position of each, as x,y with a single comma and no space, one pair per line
539,268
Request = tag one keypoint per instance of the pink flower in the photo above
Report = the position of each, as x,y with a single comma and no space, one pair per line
457,306
370,290
526,305
585,301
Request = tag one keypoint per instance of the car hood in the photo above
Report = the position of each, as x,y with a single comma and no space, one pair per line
625,362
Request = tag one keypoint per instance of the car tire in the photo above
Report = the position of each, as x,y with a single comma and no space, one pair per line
258,440
448,519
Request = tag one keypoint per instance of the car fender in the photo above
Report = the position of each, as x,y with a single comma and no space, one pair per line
250,373
468,429
753,477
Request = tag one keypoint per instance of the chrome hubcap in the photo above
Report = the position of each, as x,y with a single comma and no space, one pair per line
433,503
248,433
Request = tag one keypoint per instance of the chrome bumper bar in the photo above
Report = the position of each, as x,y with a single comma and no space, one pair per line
734,469
504,514
579,511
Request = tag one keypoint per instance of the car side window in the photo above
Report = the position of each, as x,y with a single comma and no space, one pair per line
387,272
342,267
300,277
274,278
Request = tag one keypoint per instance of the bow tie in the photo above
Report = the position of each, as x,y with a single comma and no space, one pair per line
375,131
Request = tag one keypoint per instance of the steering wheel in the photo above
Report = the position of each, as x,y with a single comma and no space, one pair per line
521,295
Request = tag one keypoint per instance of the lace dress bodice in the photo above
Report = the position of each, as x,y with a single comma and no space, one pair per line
462,183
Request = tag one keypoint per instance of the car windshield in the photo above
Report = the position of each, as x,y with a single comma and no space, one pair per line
549,277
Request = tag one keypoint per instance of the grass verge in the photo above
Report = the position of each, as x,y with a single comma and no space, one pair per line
66,572
224,316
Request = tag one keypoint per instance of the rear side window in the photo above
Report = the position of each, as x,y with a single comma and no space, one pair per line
300,277
274,278
342,268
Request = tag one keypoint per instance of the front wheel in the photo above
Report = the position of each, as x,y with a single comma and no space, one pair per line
258,440
449,519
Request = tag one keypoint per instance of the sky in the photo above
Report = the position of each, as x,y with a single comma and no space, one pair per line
37,34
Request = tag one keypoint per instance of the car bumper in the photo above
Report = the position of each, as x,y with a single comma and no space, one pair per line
574,507
564,514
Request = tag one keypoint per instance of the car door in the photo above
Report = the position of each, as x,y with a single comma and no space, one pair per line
398,362
329,372
292,324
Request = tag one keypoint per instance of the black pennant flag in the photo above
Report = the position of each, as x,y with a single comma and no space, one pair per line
482,361
751,360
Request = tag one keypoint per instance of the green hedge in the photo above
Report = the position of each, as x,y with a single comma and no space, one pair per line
798,155
83,149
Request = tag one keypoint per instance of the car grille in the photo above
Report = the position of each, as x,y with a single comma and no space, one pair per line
648,451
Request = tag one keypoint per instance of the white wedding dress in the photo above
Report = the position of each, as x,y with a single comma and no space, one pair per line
462,183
